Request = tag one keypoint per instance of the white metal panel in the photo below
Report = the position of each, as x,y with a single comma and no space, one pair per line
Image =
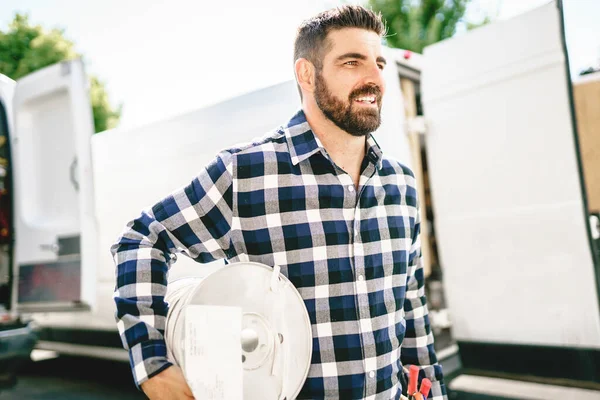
51,149
510,220
44,149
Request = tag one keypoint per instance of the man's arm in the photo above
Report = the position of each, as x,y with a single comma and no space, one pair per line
195,221
417,347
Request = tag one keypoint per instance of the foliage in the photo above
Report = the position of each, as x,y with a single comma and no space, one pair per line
413,25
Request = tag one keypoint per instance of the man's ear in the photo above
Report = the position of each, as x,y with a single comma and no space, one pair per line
305,74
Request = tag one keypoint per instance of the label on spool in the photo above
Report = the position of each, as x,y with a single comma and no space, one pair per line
213,357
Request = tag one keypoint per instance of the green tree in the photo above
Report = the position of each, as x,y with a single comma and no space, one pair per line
413,25
25,48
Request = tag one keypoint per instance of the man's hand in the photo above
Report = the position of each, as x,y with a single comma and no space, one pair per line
169,384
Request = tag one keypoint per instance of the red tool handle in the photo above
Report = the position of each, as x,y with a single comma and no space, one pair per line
413,379
425,386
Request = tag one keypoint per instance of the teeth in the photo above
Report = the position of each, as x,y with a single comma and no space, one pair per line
369,99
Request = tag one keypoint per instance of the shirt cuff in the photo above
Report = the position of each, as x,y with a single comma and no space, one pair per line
148,359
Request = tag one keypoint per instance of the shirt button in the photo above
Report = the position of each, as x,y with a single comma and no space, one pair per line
372,374
351,188
361,278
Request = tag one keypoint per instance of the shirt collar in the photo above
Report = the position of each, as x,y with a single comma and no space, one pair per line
301,140
303,143
374,153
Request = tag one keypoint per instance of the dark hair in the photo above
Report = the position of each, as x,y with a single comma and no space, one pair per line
311,37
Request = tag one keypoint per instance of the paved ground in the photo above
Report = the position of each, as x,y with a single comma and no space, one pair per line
71,378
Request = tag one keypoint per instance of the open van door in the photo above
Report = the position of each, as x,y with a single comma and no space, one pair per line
519,271
54,215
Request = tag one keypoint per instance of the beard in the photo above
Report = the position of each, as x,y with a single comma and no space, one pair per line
346,115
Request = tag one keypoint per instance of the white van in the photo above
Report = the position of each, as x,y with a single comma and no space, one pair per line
485,119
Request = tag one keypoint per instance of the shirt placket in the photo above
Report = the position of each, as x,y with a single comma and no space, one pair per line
356,252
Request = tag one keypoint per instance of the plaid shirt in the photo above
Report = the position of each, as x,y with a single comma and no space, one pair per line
353,255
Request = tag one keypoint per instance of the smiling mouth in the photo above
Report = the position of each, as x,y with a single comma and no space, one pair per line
366,100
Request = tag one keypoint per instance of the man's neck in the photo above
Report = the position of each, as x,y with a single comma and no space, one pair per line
346,150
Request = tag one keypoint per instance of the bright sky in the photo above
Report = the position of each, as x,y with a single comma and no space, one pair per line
162,58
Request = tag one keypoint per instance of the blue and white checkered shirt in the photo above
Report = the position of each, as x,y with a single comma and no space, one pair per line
353,254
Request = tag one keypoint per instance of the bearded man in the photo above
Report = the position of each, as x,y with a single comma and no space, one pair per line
316,197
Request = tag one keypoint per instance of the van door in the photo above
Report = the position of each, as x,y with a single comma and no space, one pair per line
55,227
511,218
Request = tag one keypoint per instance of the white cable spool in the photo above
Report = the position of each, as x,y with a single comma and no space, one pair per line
276,336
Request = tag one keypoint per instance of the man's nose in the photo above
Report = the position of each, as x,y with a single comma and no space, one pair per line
375,77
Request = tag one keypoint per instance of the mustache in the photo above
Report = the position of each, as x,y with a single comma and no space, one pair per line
372,90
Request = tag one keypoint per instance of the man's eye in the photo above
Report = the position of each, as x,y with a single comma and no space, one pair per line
381,66
352,63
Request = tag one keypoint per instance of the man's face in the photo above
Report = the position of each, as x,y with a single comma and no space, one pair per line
350,86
